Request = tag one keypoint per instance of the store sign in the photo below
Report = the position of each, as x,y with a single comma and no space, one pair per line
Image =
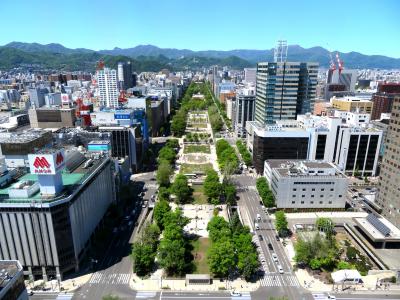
47,164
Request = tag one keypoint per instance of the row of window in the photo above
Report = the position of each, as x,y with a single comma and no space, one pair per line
313,189
312,196
312,202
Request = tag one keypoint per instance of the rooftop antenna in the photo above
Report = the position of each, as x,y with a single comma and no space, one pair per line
280,51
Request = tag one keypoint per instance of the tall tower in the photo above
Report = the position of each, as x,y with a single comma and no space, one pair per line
389,192
280,51
107,81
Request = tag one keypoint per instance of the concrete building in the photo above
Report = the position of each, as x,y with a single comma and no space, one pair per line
12,286
36,96
383,99
108,87
49,215
346,77
389,194
352,104
250,75
125,75
284,90
346,140
53,99
244,111
52,117
306,184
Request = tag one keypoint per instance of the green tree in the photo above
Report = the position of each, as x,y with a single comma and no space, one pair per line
171,255
178,124
111,297
281,223
221,258
143,258
175,218
212,186
161,209
167,154
151,234
181,189
325,225
164,172
229,193
172,143
218,229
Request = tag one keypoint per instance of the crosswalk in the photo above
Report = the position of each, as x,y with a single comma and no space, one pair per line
66,296
243,296
102,278
145,295
279,280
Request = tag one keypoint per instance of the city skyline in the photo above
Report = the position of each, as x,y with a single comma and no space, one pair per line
331,27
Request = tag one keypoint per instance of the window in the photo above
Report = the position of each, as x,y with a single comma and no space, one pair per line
302,202
340,196
302,196
293,202
311,202
293,196
322,190
321,196
331,190
330,202
294,190
312,196
320,202
304,189
313,190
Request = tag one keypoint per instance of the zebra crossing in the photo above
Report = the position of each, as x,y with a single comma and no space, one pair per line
276,280
243,296
101,278
66,296
145,295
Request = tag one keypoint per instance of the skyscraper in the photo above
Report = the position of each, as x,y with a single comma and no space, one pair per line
284,90
125,76
244,111
108,89
389,191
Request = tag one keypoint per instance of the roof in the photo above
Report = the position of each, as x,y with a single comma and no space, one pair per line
8,269
374,233
343,275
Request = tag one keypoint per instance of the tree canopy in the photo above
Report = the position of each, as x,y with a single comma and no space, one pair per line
181,189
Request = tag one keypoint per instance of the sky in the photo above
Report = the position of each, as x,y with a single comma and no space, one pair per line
368,26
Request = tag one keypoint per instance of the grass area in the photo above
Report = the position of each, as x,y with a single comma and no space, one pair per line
198,195
195,168
197,149
197,125
199,253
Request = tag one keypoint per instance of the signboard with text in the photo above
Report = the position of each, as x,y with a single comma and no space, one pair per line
47,164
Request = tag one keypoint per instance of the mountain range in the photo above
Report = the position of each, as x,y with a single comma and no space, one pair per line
152,58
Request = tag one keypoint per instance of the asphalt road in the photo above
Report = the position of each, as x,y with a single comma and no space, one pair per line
273,282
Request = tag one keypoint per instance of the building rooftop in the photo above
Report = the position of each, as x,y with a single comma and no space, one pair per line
350,99
21,136
304,168
374,233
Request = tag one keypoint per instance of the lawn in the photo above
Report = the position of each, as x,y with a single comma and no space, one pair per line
197,149
195,168
197,125
199,253
198,194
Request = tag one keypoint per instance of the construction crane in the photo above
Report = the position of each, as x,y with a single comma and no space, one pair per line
332,65
340,63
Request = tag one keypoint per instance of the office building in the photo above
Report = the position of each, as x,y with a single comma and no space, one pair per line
389,192
383,99
49,215
306,184
347,140
125,75
52,117
352,104
244,111
284,90
346,77
250,75
53,99
108,88
37,96
12,285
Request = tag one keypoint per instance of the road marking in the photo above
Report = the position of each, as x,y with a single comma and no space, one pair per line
146,295
66,296
115,279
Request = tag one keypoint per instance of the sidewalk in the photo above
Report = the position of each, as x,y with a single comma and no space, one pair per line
157,284
68,285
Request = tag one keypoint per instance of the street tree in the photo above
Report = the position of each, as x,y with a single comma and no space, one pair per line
160,211
281,223
143,258
181,189
212,186
164,172
221,258
218,229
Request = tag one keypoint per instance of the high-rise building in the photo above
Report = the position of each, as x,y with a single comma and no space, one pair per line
125,76
284,90
108,88
244,111
250,75
383,99
37,96
389,191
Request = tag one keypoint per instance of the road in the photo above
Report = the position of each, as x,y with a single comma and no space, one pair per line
114,271
282,283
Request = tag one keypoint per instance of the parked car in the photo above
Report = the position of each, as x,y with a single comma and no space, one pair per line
258,217
261,237
277,238
144,204
257,226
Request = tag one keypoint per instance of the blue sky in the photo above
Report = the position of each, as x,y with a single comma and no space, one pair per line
370,27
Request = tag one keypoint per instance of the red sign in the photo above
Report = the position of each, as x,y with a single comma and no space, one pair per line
59,159
41,162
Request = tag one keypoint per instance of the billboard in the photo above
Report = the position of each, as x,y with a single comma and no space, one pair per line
122,116
64,98
47,164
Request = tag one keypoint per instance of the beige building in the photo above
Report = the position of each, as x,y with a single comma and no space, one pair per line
52,117
352,104
389,191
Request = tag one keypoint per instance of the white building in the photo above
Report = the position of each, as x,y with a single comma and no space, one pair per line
108,88
306,184
250,75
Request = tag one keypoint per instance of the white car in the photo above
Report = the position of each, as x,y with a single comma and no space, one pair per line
280,269
257,226
258,217
275,257
235,294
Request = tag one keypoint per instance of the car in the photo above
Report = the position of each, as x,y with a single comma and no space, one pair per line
277,238
30,293
257,226
142,194
270,246
280,269
144,204
331,297
258,217
126,218
235,294
152,179
263,259
274,257
130,223
115,230
133,212
261,237
153,197
261,203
